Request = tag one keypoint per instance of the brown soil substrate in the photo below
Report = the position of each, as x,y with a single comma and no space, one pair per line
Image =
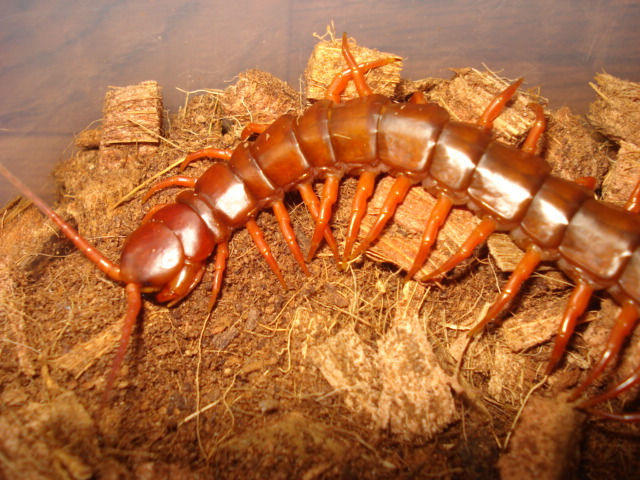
348,374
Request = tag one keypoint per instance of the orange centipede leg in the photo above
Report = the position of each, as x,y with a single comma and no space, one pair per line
576,306
615,391
313,204
175,181
252,128
633,204
396,195
366,184
621,330
418,97
497,104
525,268
530,144
628,417
222,253
280,211
355,71
263,247
208,152
134,302
436,219
625,321
357,75
479,235
328,198
587,182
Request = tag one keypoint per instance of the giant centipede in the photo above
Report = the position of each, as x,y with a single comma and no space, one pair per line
510,189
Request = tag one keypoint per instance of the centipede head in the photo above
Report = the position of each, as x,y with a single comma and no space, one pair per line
154,258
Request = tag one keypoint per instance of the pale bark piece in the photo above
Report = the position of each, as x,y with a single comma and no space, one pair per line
132,117
544,450
259,97
623,176
400,387
616,112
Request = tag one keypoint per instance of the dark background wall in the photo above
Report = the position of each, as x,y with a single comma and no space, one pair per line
57,58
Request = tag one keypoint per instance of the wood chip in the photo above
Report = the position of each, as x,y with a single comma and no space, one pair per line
132,117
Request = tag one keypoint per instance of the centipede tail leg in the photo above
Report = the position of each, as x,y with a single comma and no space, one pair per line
263,247
134,302
222,253
366,184
328,198
280,211
396,195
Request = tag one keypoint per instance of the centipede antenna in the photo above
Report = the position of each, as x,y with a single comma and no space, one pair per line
89,251
134,302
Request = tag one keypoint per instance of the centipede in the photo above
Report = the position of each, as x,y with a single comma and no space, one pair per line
417,144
